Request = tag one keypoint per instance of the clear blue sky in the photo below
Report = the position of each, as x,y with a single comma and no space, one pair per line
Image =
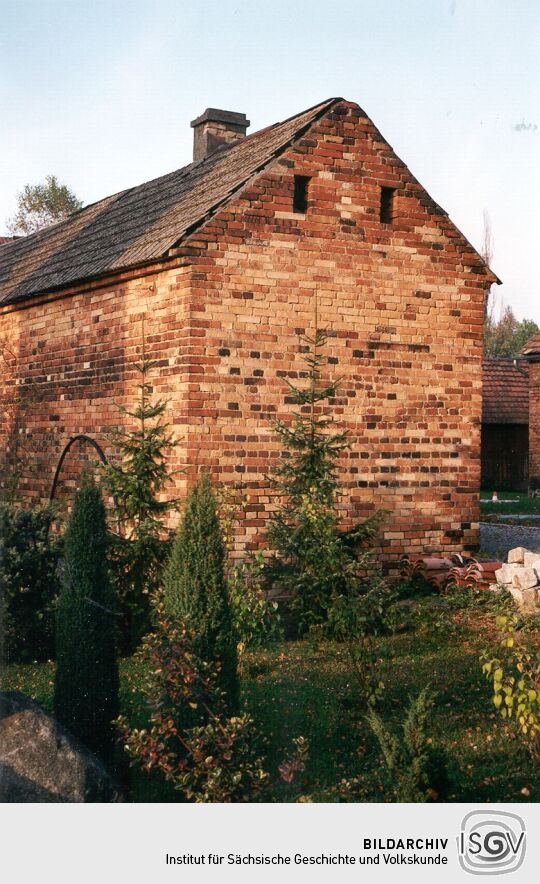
101,93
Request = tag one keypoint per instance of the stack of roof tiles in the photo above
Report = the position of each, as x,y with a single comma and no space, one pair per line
446,571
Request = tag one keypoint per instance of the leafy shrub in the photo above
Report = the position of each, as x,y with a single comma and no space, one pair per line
516,683
195,595
203,753
355,618
256,619
296,760
29,585
367,607
86,685
417,770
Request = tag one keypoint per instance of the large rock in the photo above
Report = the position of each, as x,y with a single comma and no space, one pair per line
525,578
41,761
517,555
505,575
525,599
532,560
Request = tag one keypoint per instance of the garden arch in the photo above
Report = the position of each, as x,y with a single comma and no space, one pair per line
80,438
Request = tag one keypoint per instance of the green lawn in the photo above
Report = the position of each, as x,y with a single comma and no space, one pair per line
510,503
304,688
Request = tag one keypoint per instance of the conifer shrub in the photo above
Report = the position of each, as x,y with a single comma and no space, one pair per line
136,480
29,584
195,594
417,769
313,560
86,685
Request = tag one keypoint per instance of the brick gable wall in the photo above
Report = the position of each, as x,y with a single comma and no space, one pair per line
402,303
404,308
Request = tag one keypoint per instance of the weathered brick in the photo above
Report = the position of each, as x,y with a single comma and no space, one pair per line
410,395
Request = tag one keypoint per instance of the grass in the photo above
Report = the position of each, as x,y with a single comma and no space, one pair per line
512,503
304,688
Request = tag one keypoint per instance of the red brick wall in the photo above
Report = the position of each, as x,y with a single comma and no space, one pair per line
404,310
534,424
71,361
402,303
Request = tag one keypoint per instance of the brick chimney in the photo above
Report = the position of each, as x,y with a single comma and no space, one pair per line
217,127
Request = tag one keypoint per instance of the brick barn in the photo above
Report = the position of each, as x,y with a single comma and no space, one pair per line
531,352
505,425
225,258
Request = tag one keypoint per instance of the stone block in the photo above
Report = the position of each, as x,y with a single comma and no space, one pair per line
531,560
505,574
517,555
525,578
525,599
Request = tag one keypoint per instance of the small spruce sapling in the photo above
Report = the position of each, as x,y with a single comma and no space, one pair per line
313,559
136,482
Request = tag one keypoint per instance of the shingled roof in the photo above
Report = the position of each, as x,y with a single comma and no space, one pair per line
532,347
140,225
505,391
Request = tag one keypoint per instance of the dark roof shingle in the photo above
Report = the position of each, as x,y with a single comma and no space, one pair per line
140,225
532,347
505,397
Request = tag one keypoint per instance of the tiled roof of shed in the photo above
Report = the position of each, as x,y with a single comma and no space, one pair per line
532,347
140,225
505,391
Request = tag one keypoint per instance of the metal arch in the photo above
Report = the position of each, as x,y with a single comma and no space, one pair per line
79,438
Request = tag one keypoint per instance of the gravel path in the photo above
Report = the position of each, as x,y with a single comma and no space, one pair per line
501,538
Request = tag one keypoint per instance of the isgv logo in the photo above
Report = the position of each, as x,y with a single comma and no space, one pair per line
491,842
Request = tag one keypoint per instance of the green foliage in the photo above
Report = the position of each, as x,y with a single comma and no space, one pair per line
29,584
416,769
304,687
195,596
313,559
355,619
39,205
507,336
515,676
296,760
86,686
256,619
136,482
205,754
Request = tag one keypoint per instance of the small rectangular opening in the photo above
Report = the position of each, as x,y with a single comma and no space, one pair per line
301,184
387,205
